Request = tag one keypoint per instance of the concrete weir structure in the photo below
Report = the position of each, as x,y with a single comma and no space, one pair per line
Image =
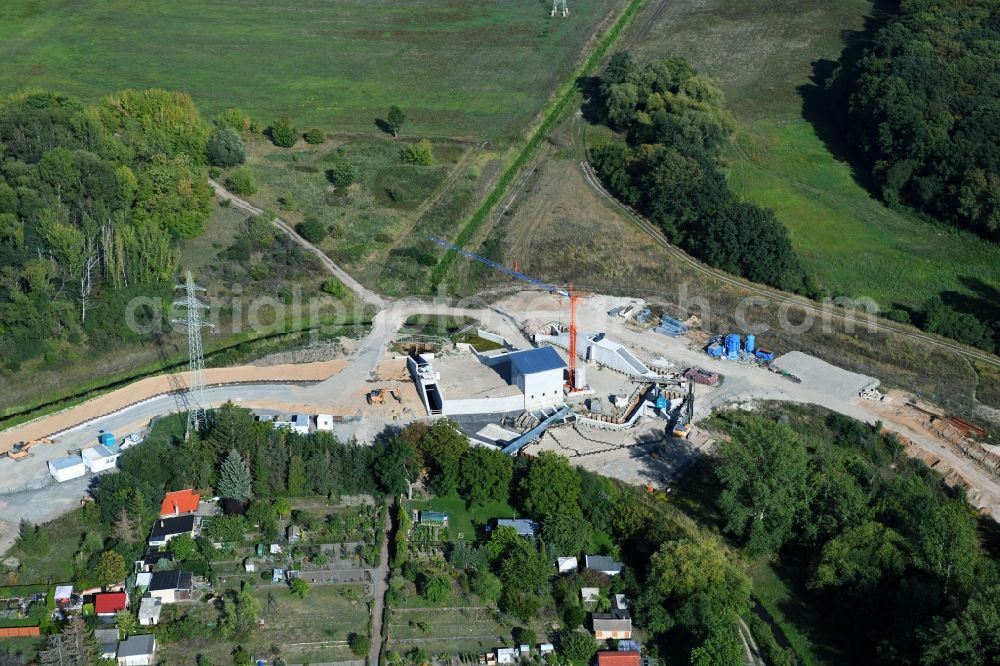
466,381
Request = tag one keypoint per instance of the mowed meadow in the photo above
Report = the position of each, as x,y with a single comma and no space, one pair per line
459,68
787,154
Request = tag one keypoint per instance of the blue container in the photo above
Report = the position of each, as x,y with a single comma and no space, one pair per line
661,402
715,350
764,355
732,345
107,439
751,343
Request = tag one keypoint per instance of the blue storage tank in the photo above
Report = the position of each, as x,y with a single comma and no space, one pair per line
107,439
751,343
732,345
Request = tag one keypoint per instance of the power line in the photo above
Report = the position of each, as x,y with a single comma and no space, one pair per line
195,396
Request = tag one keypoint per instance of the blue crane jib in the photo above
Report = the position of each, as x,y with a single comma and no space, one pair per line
500,267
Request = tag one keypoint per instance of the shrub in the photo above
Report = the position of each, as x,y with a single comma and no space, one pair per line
435,589
312,230
214,172
260,271
287,201
314,136
242,182
334,287
524,636
421,153
383,237
299,588
359,644
233,119
283,132
342,174
225,148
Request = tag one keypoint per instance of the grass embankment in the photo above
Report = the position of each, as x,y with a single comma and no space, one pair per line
475,68
789,156
566,94
848,241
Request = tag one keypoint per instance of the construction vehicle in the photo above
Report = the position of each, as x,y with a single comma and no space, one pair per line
682,427
569,292
377,396
20,450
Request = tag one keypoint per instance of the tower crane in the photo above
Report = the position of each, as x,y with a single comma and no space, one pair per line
568,293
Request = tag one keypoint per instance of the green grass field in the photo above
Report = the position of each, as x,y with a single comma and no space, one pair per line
307,630
848,241
764,56
55,565
457,68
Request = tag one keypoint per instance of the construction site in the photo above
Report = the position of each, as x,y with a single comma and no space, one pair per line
609,383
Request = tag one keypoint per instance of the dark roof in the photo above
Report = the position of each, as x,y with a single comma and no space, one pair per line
170,580
153,555
529,361
136,646
171,526
602,563
105,636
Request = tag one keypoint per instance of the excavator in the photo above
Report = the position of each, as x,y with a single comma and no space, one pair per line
20,450
377,396
682,427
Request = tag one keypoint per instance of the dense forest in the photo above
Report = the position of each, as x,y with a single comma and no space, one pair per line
92,202
923,105
887,554
674,128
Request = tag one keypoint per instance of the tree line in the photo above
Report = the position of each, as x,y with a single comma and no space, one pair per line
673,127
892,557
92,202
921,104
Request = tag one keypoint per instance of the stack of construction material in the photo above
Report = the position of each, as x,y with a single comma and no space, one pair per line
670,326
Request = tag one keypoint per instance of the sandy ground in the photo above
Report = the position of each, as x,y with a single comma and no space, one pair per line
159,385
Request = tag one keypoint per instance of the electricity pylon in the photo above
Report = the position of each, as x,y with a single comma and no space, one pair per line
195,396
559,8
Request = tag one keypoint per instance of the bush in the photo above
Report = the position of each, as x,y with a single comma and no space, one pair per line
524,636
299,588
242,182
225,148
314,136
283,132
421,153
435,589
215,172
312,230
233,119
579,646
359,644
334,287
260,271
342,174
